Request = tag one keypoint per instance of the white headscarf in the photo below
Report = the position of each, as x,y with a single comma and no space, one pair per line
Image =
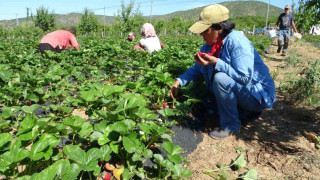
147,30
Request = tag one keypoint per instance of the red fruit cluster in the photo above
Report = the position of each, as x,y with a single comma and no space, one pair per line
203,55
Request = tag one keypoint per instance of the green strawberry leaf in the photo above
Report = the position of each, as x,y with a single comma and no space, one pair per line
167,112
147,153
75,153
33,97
75,122
239,163
106,152
171,149
119,127
86,129
145,113
5,138
114,147
73,172
88,96
30,109
44,141
250,175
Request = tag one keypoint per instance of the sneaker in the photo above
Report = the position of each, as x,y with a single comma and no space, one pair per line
279,49
219,133
283,54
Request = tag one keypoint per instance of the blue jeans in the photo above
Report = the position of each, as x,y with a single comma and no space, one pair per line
283,36
232,96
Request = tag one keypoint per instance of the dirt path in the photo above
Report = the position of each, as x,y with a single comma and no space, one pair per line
280,144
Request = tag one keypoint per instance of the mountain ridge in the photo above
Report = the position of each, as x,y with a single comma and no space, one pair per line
236,8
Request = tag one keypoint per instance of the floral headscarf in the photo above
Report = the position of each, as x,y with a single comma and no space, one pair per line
147,30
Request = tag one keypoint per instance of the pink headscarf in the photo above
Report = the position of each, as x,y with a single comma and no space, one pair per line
147,30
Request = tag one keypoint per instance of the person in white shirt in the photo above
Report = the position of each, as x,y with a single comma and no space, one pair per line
150,41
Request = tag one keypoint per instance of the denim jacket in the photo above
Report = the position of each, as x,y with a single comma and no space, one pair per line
239,60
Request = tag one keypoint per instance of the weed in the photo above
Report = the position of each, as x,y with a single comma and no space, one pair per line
239,162
293,59
274,74
239,149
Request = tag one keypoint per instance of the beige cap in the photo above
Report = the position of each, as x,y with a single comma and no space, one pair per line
212,14
287,6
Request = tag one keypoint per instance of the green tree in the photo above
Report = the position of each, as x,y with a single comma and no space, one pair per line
177,25
129,19
3,32
307,14
159,26
88,24
44,20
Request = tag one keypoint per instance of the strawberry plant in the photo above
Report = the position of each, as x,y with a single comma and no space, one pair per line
120,90
260,42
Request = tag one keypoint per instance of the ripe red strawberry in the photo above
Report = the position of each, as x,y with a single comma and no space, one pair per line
152,146
165,105
30,103
107,176
203,55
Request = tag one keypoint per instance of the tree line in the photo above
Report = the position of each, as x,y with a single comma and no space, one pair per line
130,19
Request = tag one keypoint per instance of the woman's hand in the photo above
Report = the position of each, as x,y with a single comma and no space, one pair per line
207,60
174,89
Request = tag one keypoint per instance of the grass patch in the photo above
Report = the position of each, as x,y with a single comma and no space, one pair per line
312,39
293,59
304,88
275,74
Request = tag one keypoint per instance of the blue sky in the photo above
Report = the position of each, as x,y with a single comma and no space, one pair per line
10,9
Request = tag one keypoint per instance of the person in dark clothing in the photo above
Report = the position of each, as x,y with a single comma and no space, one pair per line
285,19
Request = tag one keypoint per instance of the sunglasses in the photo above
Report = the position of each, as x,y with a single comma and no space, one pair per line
286,8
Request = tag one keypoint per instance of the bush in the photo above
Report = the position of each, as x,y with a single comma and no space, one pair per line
26,31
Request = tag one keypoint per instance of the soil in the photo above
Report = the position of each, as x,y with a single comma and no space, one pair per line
80,112
278,145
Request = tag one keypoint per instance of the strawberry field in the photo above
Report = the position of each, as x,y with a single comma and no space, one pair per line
101,112
121,91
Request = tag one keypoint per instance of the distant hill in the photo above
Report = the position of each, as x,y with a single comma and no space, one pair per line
236,8
74,18
62,20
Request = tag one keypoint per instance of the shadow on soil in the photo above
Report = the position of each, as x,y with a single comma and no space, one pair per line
274,130
281,125
190,132
276,59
